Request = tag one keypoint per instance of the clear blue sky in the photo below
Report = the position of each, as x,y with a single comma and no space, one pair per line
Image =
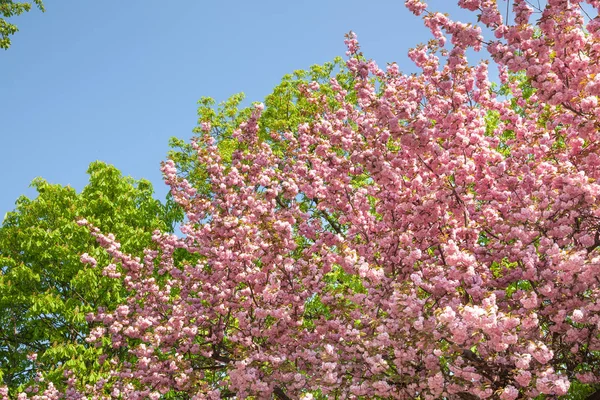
113,80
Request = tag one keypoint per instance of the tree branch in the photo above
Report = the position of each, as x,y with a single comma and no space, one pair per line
280,394
594,396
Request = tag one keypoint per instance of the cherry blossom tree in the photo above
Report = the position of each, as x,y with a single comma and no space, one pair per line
425,237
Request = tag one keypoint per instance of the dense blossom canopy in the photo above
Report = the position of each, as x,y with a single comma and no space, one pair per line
425,236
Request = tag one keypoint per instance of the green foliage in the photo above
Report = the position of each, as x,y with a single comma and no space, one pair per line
285,109
223,120
8,9
579,391
45,290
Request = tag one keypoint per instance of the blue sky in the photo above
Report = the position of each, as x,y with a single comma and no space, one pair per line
113,80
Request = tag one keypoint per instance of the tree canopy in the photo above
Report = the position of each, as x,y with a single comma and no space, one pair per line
373,234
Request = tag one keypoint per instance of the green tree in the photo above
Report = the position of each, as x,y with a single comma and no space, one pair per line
45,290
285,110
8,9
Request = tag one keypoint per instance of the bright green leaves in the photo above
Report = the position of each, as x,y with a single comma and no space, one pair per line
579,391
8,9
285,109
223,120
492,120
338,282
45,290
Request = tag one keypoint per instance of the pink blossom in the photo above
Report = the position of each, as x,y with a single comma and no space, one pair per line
509,393
414,234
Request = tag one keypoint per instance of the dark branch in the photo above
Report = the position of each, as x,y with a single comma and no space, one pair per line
280,394
594,396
